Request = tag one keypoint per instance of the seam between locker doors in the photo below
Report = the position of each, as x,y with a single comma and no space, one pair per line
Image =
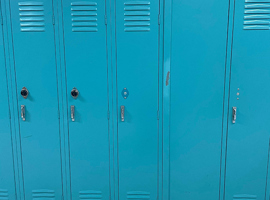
116,96
17,103
224,95
158,93
63,144
228,110
67,105
167,45
8,98
112,98
58,100
108,98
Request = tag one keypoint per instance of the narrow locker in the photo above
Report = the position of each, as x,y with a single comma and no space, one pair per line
7,186
248,120
137,36
86,74
37,97
199,32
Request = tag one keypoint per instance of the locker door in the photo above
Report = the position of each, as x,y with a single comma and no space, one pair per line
137,35
7,186
248,137
86,70
199,32
35,67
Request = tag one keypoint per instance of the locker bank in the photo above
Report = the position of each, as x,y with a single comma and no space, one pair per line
134,99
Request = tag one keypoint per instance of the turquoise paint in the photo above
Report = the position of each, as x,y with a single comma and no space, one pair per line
181,62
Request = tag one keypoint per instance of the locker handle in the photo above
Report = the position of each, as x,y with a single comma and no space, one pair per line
234,115
122,113
72,111
23,112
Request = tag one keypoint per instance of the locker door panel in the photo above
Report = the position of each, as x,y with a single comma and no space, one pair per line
7,186
248,138
137,79
199,32
86,70
35,67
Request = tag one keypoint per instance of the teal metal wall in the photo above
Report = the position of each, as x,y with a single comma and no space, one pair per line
123,99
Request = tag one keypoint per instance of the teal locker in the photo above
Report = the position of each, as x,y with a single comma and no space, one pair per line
86,66
137,51
89,116
36,97
198,54
248,134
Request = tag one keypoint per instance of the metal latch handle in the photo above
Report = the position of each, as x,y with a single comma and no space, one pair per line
23,112
122,113
234,115
72,111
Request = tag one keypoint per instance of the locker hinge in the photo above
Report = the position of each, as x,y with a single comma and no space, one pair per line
158,18
1,20
158,114
108,115
105,19
53,20
62,197
58,115
9,115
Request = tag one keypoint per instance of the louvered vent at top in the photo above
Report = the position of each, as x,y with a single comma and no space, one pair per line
4,194
138,195
257,15
43,194
31,16
90,195
84,16
137,16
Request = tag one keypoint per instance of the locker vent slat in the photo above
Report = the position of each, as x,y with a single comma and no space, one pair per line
257,15
31,16
4,194
90,194
137,16
84,16
244,197
43,194
138,195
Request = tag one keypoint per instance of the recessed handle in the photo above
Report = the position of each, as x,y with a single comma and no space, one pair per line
23,112
72,113
122,113
234,115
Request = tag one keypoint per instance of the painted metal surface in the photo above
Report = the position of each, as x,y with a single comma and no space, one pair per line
197,85
248,137
34,59
137,34
7,177
85,49
123,99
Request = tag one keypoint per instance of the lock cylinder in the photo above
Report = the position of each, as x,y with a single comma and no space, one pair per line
74,93
24,92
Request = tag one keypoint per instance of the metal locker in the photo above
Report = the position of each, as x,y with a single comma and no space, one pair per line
37,97
137,46
85,36
199,33
7,177
248,119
